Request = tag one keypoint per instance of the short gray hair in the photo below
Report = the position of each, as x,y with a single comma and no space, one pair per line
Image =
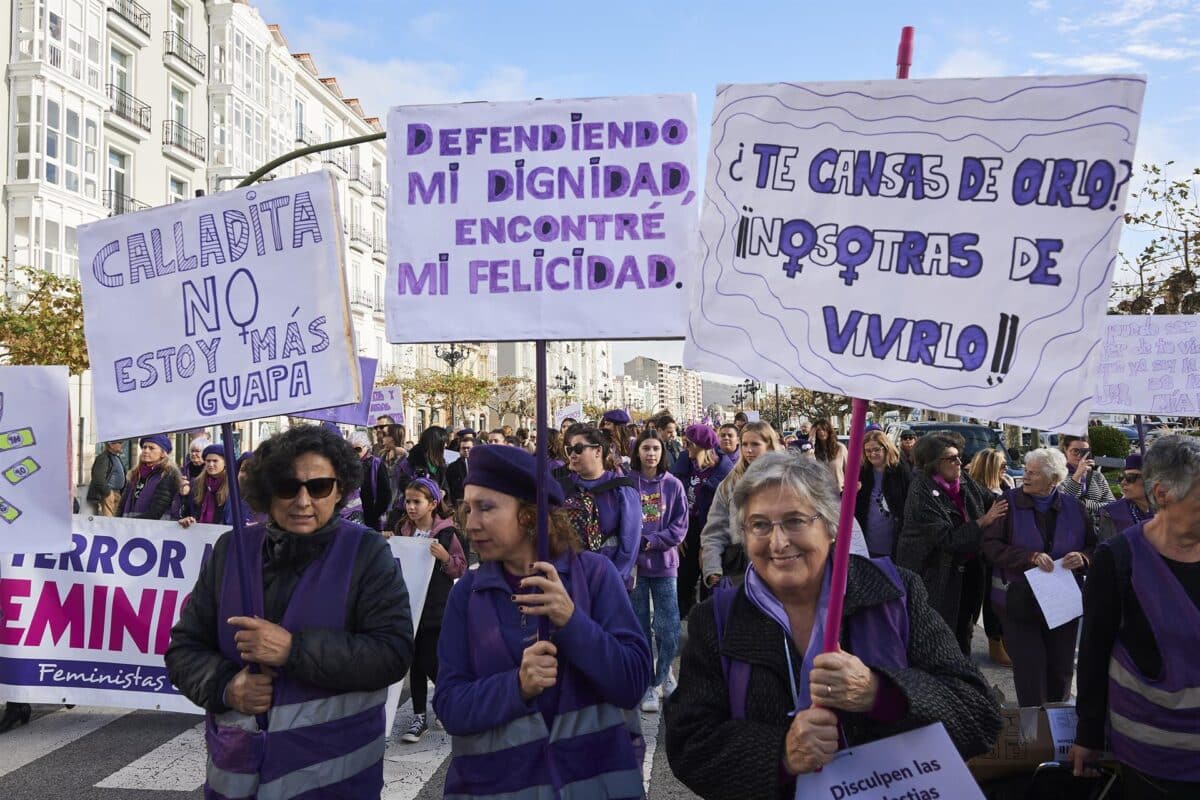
1054,463
807,477
1172,462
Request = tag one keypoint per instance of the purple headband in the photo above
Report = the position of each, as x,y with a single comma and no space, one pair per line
431,487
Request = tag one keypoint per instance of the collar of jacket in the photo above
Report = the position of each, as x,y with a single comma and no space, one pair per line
490,574
972,493
286,547
1021,500
753,637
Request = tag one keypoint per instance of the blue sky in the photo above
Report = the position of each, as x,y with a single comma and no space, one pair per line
395,53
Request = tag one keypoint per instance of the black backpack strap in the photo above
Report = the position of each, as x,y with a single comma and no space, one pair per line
614,483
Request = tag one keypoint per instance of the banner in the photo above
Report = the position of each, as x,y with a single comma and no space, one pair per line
573,411
355,413
36,490
1149,365
218,309
91,626
558,219
387,400
946,244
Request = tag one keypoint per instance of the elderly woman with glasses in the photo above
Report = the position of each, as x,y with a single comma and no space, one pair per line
1045,525
1139,678
294,631
1134,506
944,518
758,703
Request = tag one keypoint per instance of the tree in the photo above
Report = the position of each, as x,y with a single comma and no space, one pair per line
448,391
1167,210
593,411
512,395
41,320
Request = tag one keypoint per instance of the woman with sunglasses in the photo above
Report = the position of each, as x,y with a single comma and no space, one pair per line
758,702
605,507
502,690
294,675
1134,506
1044,525
1085,482
701,473
987,469
944,517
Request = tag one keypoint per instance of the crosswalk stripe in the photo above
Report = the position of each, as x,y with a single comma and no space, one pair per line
49,733
176,765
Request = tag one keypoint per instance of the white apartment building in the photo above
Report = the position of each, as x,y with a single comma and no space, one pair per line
633,394
583,368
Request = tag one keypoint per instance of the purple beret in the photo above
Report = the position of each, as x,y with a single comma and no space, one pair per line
214,450
510,471
617,416
1134,462
702,436
159,439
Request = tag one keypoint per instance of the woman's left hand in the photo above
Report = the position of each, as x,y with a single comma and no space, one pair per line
261,642
439,552
1073,561
187,522
553,602
840,680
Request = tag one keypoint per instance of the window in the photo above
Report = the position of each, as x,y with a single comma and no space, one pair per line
179,104
27,153
53,253
75,39
72,151
70,252
177,189
379,296
53,142
118,172
299,116
91,139
22,254
179,20
120,70
95,66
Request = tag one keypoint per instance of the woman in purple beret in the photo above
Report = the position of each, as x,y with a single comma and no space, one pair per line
502,690
151,486
208,502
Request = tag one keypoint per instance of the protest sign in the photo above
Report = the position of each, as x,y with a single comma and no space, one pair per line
218,309
558,219
946,244
1149,365
573,411
918,765
416,564
388,400
355,413
35,484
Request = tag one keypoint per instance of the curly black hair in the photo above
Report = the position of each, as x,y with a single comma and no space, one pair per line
274,460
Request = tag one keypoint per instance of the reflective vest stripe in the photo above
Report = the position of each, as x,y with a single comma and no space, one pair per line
590,719
1156,737
543,792
627,783
231,784
522,730
324,773
1179,700
322,710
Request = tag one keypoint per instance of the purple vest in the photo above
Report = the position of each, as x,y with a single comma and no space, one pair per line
877,634
1154,723
1125,515
1070,535
593,746
142,504
312,737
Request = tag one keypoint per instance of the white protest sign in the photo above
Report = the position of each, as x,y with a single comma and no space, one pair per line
90,626
1057,594
946,244
573,411
416,563
218,309
556,219
387,400
35,484
1063,720
917,765
1149,365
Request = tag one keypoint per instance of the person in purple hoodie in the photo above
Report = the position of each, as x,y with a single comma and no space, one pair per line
502,690
664,524
700,473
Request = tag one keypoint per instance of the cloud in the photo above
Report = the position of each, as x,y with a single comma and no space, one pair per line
1039,5
1156,53
328,28
426,26
1124,12
1147,25
969,63
1097,62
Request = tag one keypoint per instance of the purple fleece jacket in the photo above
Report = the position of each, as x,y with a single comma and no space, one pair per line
664,524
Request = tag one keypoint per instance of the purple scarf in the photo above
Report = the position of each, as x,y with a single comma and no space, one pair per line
208,506
1042,504
954,492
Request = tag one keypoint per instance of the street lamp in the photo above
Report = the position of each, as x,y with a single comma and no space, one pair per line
453,356
566,382
738,397
751,390
605,395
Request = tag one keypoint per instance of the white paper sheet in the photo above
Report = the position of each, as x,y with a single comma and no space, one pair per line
1057,593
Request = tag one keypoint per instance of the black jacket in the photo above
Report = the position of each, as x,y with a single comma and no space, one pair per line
935,542
376,494
102,469
456,480
896,481
374,651
718,757
161,503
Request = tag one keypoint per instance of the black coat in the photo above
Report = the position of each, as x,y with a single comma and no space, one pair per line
718,757
935,542
376,494
896,481
373,652
456,479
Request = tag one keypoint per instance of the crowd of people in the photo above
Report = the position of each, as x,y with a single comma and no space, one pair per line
295,630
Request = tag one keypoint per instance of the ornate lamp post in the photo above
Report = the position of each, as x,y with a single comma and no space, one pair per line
565,382
453,356
605,395
750,390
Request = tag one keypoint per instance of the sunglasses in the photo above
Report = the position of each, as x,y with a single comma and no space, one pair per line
1130,478
358,449
579,449
317,488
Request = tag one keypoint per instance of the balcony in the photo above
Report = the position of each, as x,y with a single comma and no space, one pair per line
378,193
379,247
305,136
362,298
362,178
118,203
337,158
181,49
360,237
178,139
379,305
134,16
129,108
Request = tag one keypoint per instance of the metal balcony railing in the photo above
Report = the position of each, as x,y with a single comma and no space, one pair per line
376,187
379,243
305,135
129,107
337,158
184,138
361,297
363,177
360,234
182,49
118,203
133,12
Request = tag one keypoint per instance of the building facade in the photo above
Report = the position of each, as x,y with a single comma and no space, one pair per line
676,389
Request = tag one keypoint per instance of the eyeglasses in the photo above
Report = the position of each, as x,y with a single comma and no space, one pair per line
1130,478
1075,451
358,449
318,488
578,449
872,451
952,460
792,525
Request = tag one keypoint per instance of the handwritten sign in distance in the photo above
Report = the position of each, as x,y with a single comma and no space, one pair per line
558,219
218,309
945,244
1149,365
35,484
